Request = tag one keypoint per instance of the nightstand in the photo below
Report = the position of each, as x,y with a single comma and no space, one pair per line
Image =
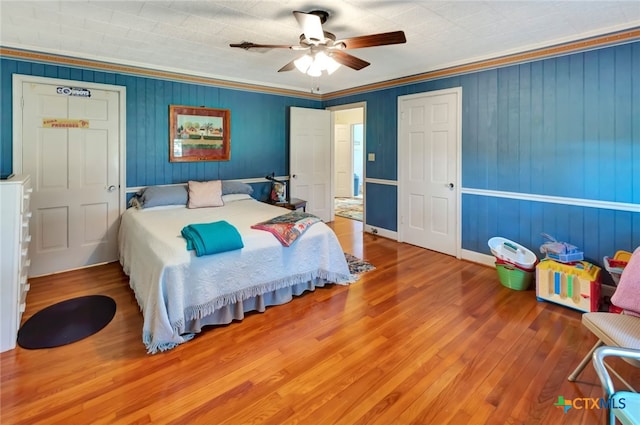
293,204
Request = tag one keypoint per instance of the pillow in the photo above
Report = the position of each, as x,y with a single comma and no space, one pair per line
235,197
154,196
205,194
231,186
627,294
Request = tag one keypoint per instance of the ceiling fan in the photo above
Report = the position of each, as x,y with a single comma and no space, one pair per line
323,51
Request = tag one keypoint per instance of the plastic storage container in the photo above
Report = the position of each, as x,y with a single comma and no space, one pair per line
567,258
514,277
560,251
512,252
515,264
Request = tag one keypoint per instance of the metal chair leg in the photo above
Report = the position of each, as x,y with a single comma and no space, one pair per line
583,363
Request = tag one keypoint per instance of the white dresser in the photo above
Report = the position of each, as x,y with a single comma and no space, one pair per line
15,194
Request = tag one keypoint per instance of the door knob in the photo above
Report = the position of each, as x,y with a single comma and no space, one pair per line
293,176
450,185
111,188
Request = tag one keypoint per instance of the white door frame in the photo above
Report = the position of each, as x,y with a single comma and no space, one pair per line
401,153
333,109
19,79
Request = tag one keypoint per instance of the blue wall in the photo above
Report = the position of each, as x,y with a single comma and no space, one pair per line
259,125
565,127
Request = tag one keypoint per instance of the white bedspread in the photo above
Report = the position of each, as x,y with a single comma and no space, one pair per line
173,286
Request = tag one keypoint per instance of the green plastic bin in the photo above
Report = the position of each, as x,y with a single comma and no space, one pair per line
514,278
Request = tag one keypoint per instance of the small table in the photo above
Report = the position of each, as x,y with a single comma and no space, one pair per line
293,204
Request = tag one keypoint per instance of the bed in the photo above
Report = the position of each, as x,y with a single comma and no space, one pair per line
179,292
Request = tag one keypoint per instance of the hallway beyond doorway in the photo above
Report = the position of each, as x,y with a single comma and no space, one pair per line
351,208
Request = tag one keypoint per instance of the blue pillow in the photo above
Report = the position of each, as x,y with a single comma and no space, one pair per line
231,186
155,196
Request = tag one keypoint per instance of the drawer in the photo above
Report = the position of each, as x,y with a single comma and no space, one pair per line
25,238
25,262
21,308
25,221
24,282
26,199
24,285
23,295
24,254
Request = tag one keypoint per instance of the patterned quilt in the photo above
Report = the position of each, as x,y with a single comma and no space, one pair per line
288,227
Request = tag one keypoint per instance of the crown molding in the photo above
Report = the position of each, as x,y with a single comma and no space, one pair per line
621,37
56,59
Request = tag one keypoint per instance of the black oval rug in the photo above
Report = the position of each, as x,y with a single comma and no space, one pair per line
66,322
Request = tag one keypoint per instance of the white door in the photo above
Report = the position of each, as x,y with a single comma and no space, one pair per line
310,160
71,148
344,160
429,139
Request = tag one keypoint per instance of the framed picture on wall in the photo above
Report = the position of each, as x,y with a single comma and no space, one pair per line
199,134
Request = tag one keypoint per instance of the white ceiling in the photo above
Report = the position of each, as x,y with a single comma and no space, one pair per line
193,37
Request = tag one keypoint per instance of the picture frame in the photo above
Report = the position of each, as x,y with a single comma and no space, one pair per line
278,192
197,133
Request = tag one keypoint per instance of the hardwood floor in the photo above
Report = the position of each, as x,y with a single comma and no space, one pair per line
423,339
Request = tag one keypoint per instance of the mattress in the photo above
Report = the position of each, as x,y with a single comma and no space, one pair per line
179,293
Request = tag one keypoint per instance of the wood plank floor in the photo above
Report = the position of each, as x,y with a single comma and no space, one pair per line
423,339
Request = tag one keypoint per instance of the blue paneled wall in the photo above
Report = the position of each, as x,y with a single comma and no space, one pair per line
259,125
563,127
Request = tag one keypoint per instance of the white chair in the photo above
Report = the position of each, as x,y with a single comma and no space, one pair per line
614,330
617,330
622,405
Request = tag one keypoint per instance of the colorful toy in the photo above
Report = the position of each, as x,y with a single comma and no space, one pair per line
616,265
573,285
560,251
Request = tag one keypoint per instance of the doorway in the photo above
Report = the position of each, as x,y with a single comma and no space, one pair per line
349,171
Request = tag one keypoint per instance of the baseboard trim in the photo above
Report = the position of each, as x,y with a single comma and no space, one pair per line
477,257
374,230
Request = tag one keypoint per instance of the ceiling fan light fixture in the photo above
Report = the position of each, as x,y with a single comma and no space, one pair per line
314,65
314,70
327,63
303,63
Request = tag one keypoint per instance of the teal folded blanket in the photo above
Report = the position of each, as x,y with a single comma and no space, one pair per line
212,238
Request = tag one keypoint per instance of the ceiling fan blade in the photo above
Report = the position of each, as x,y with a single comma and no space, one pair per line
382,39
247,45
288,67
349,60
311,26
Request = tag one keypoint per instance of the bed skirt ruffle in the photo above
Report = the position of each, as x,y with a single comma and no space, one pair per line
236,311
